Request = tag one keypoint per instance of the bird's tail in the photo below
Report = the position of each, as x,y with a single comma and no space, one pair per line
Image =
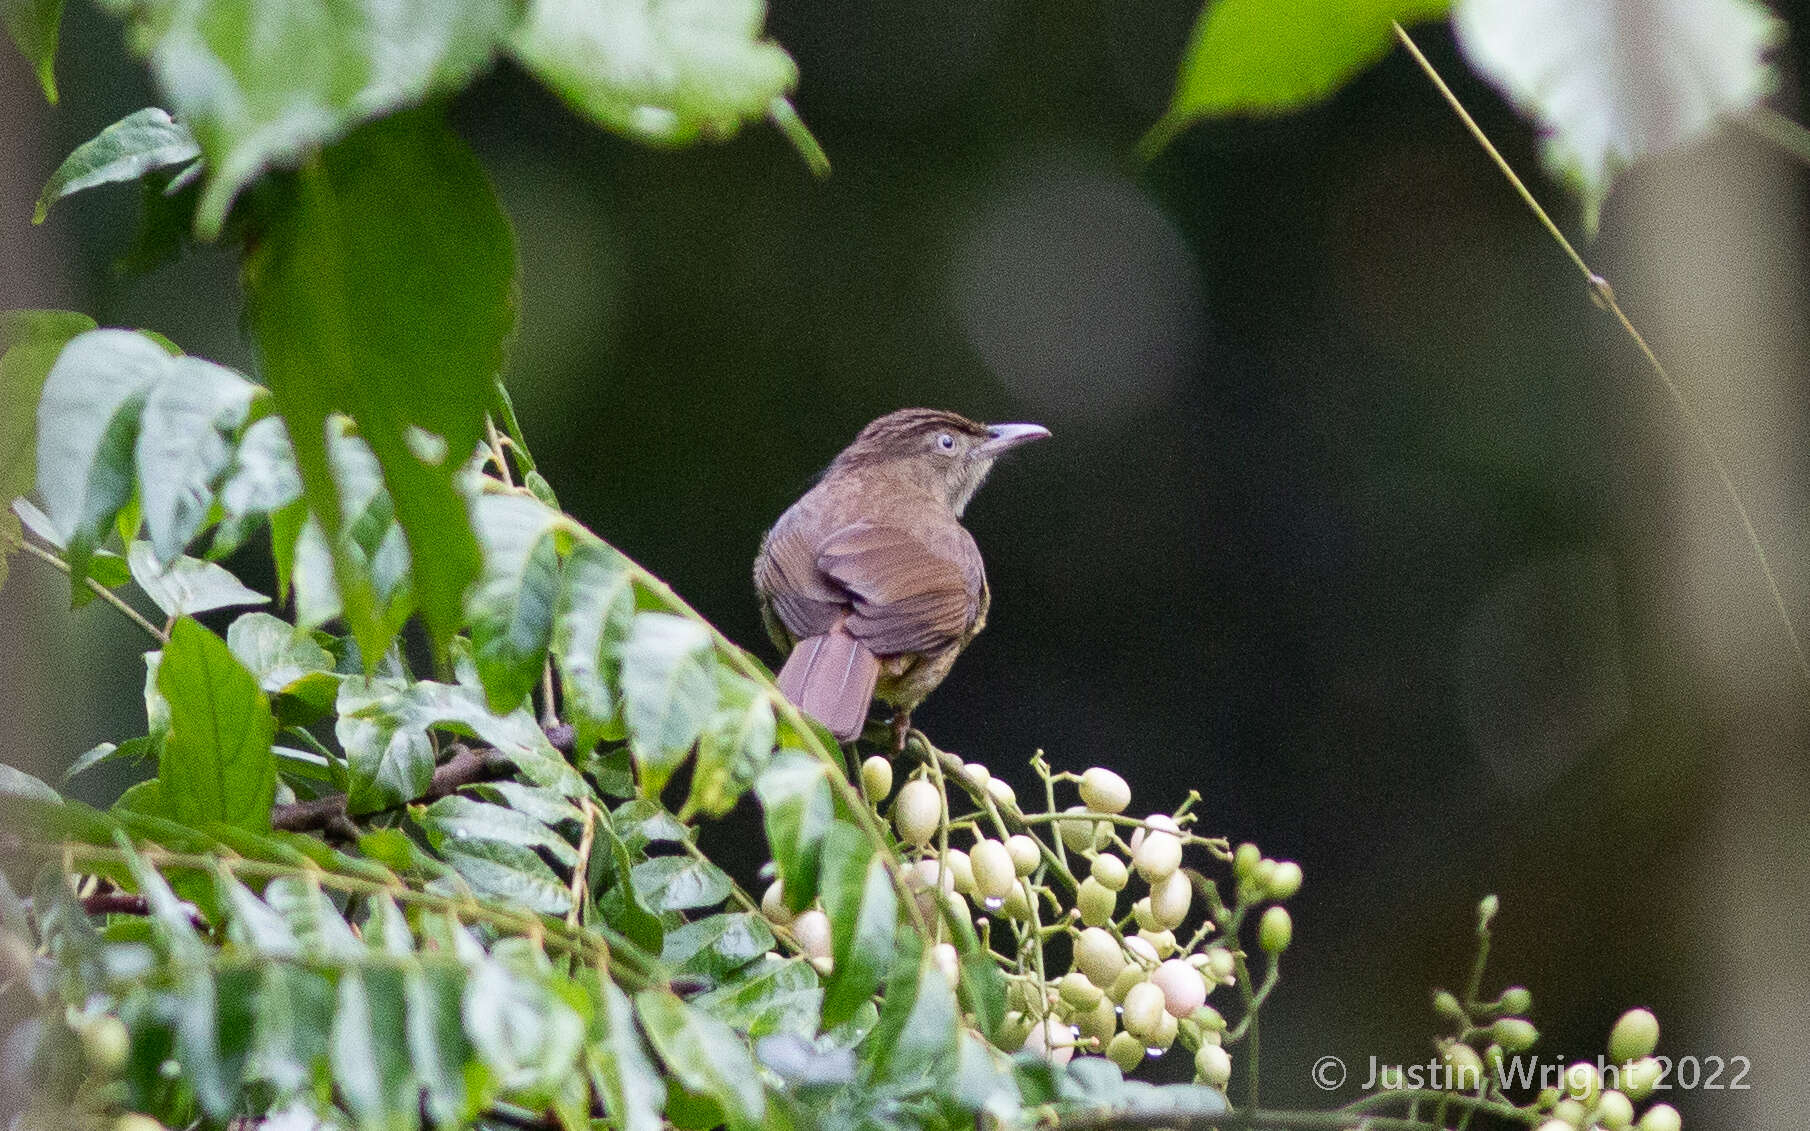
831,678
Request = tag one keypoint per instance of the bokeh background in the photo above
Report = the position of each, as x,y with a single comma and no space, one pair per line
1359,518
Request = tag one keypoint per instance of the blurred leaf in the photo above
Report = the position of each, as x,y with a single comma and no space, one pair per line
183,448
388,761
634,920
294,1020
369,1050
661,71
705,1055
459,819
216,763
125,151
133,749
188,585
669,692
87,421
528,1035
597,606
735,746
263,480
620,1068
166,220
717,946
266,84
680,883
773,995
30,341
384,288
1610,83
15,782
917,1029
863,910
438,1048
795,798
32,25
1274,56
512,608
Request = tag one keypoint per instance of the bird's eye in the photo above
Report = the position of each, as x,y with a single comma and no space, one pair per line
945,441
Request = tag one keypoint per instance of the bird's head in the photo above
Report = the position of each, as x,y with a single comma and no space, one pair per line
946,454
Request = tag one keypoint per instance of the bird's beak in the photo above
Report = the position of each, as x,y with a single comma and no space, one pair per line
1002,438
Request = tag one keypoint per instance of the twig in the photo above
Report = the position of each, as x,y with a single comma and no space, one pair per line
467,766
99,590
1604,296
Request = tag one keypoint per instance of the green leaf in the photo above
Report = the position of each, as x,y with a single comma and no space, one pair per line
32,25
863,910
384,288
388,761
183,447
278,653
526,1033
620,1068
216,763
736,745
1610,84
512,609
30,341
680,883
15,782
459,819
509,872
773,995
634,920
597,606
369,1050
669,692
263,480
124,151
661,71
290,1039
438,1049
717,946
87,422
266,84
1274,56
918,1017
188,585
705,1056
795,798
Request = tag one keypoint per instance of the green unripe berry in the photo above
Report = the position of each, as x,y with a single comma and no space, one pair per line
1245,859
1079,990
1110,871
1143,1013
1614,1112
1546,1099
1018,903
1446,1006
773,905
1275,930
1220,963
1635,1035
1515,999
962,868
1285,880
1024,852
977,775
1143,915
1131,975
1000,790
1582,1082
916,810
1660,1117
1516,1034
1209,1019
876,778
1126,1051
1214,1065
1095,903
1162,942
1555,1125
1098,957
1104,791
1077,833
105,1044
994,876
1569,1112
132,1121
1640,1077
1166,1029
1463,1066
1100,1022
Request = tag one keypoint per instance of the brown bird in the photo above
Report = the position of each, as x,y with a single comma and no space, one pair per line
870,579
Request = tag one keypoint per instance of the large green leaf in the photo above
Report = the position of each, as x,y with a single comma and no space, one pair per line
669,691
705,1056
716,946
216,763
661,71
511,610
680,883
30,341
509,872
459,819
188,585
795,798
597,607
388,761
384,288
267,82
1273,56
735,747
620,1067
369,1050
1611,82
32,25
184,447
858,896
125,151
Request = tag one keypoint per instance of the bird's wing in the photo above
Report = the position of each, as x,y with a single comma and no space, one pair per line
904,596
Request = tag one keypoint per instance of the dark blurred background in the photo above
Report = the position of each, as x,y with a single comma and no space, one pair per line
1359,518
